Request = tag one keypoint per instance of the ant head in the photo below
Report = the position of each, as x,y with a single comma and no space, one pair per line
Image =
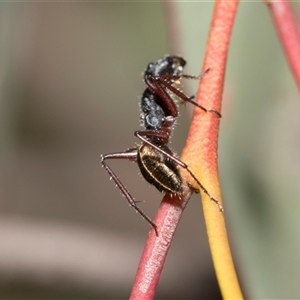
168,65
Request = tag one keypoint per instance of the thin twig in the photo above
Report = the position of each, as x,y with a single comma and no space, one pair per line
288,34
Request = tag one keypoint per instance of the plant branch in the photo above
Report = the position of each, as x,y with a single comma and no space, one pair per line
200,155
288,34
200,152
156,248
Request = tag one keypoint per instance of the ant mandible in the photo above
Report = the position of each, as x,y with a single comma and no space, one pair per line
157,163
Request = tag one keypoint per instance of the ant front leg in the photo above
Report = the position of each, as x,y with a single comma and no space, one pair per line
148,133
174,78
182,96
163,99
130,154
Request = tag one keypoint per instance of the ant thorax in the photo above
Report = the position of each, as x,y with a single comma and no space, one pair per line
152,116
157,113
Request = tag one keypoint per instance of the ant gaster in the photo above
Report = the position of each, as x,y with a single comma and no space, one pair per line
156,161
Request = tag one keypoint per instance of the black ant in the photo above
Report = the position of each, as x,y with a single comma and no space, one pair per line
156,161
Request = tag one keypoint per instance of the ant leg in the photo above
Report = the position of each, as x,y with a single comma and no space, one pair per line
195,77
139,134
130,154
164,100
178,77
182,96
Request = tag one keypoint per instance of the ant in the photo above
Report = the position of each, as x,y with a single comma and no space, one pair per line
157,163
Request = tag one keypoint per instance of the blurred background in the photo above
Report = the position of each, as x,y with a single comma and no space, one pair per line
70,84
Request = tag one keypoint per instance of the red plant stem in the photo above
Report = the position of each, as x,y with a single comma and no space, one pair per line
156,248
286,27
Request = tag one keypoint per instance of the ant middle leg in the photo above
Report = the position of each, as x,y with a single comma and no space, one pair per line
130,154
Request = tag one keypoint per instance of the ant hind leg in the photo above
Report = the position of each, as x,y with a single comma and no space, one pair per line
130,154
